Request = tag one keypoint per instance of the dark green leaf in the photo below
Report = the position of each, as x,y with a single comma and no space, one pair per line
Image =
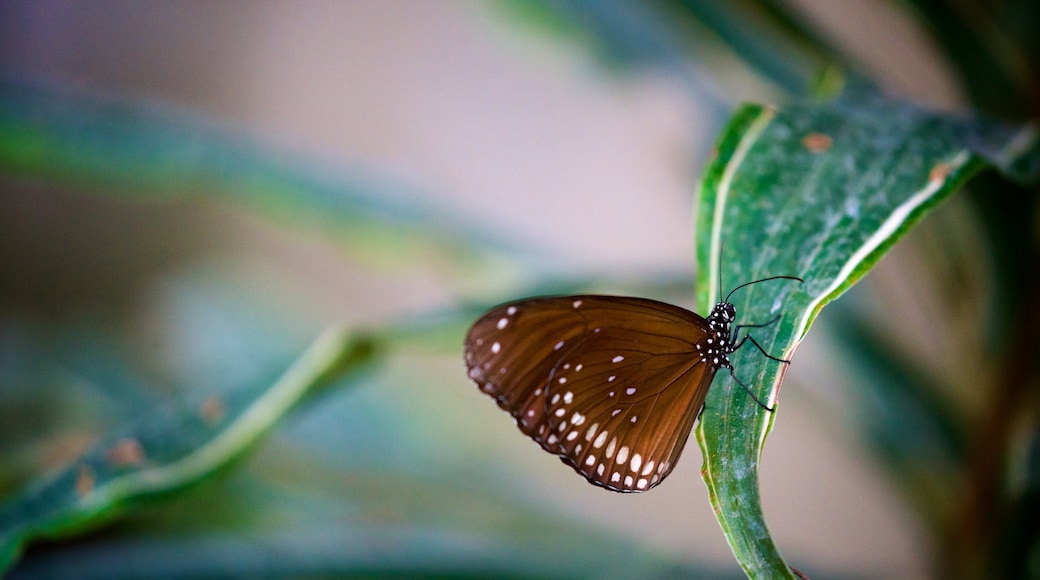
818,191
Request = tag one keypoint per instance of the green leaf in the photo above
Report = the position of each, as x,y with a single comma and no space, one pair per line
763,35
85,142
818,191
169,449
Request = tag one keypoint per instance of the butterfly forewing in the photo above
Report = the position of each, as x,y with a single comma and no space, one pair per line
511,361
612,385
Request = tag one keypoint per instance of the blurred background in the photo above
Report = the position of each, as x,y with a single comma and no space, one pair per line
471,115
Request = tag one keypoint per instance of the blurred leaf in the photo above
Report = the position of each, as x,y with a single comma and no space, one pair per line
681,35
762,34
912,427
114,147
361,551
57,385
626,35
623,33
322,509
1017,549
819,191
993,49
169,450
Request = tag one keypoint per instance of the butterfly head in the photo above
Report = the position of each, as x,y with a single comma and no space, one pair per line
716,349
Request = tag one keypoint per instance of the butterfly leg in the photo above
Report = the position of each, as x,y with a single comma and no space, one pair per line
748,337
736,329
745,387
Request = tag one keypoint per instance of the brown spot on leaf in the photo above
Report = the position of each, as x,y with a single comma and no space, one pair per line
127,451
84,481
939,172
817,142
212,409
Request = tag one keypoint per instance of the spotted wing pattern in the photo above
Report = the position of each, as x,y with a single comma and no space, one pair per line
612,385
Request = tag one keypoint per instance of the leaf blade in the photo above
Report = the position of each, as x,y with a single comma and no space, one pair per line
169,450
819,191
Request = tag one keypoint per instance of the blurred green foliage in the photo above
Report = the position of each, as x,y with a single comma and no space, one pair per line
395,495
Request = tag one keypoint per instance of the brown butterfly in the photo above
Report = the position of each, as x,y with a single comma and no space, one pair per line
610,384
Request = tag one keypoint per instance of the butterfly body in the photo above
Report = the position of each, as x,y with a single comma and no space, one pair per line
612,385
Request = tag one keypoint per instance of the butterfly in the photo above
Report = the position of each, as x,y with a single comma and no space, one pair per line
610,384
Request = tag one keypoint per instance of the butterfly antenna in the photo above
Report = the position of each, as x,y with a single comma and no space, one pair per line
722,246
763,280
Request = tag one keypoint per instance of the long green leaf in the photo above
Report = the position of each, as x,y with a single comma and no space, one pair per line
675,34
762,36
169,449
819,191
87,142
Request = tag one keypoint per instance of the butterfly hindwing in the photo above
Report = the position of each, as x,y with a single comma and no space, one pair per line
624,424
612,385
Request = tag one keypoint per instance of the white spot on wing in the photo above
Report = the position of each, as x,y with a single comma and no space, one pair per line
622,454
502,322
617,359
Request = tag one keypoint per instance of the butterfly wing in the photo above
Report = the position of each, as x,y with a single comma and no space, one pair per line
612,385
